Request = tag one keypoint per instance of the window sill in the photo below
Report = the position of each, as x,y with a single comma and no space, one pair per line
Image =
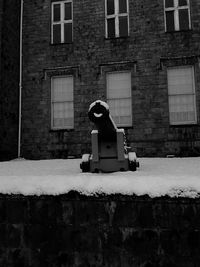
125,127
117,38
180,31
195,124
52,130
60,44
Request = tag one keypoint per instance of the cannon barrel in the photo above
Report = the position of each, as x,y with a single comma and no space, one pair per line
99,114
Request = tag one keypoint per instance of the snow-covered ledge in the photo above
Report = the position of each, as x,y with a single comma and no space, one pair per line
111,222
156,177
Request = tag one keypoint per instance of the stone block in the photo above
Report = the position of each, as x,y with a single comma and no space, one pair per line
142,242
14,235
45,211
3,236
16,210
90,213
2,211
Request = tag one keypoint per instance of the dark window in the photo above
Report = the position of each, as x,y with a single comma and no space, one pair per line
62,22
56,33
122,6
183,19
111,27
110,7
68,32
117,18
123,26
169,3
182,3
170,21
68,11
56,12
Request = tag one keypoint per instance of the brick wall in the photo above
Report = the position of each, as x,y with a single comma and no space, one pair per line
144,53
9,47
108,231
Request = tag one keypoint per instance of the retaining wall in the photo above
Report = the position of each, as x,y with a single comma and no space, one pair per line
115,230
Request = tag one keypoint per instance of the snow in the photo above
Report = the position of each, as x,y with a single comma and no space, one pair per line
102,103
121,130
85,157
156,177
94,132
132,156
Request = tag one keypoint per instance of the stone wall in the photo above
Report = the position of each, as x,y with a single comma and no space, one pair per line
146,53
74,230
9,82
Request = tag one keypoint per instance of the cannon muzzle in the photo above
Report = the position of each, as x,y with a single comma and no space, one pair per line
98,111
99,114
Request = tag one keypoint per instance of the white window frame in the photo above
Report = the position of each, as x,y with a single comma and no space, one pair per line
189,94
129,97
62,21
176,9
52,102
116,16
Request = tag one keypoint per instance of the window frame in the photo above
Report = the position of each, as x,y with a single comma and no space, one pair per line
52,102
107,99
176,9
62,21
184,123
116,16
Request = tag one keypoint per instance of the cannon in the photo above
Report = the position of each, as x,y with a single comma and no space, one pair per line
109,150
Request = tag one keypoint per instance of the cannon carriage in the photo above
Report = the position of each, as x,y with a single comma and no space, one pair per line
109,150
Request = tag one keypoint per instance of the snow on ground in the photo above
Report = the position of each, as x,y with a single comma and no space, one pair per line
155,177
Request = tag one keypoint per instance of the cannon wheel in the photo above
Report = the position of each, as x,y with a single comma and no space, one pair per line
85,164
133,165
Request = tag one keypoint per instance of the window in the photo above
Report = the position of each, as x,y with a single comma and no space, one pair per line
62,96
119,97
117,22
181,91
61,29
177,15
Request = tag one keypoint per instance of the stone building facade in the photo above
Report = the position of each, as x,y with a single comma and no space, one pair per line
142,57
9,77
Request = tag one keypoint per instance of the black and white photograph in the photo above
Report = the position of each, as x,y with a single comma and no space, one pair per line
99,133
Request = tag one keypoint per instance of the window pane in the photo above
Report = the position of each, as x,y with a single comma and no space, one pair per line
119,85
68,11
120,110
122,6
62,89
182,3
123,26
62,102
182,109
180,80
68,32
56,33
111,27
183,19
63,115
56,12
181,95
169,3
110,7
119,97
170,21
